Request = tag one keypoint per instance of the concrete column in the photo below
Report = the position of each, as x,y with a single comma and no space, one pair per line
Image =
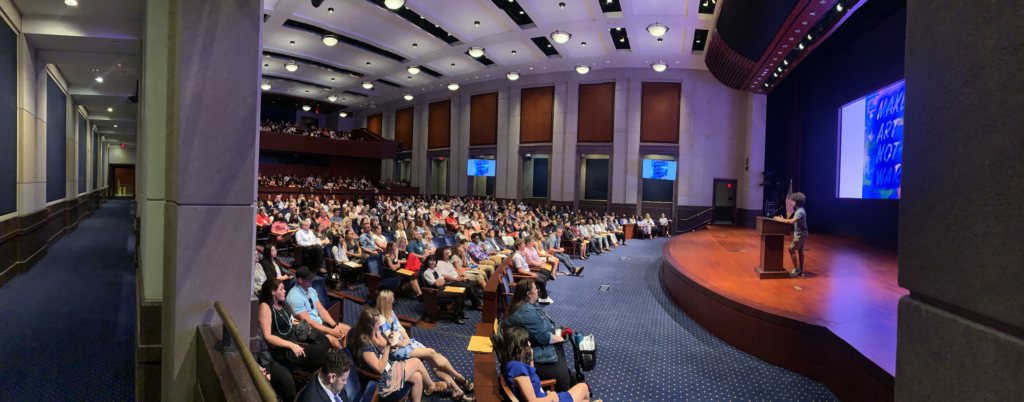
572,110
210,131
618,157
456,157
632,157
512,159
461,178
31,130
501,159
420,163
557,138
750,194
961,328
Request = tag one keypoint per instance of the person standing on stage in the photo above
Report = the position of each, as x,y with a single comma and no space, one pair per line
799,221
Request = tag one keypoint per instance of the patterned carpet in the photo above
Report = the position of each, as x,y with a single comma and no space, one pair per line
67,331
648,349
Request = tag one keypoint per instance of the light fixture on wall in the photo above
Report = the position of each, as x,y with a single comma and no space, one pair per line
560,36
367,85
512,75
657,29
265,86
306,107
582,69
291,66
330,40
408,96
659,66
343,114
453,86
476,51
413,70
394,4
332,98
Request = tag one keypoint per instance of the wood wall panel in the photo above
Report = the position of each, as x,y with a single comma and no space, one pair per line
596,112
537,113
403,128
375,122
659,112
439,131
483,119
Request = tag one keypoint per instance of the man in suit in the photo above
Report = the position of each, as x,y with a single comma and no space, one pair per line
329,385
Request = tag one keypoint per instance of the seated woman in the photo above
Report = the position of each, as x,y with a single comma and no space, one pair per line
410,348
343,252
280,230
515,356
371,352
280,330
271,267
520,266
649,223
428,243
548,350
400,231
393,262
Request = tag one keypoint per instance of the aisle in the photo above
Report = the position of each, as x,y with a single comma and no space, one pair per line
67,331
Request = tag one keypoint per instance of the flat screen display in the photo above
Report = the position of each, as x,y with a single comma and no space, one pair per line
481,167
871,145
659,169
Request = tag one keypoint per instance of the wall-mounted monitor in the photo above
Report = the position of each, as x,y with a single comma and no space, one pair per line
871,145
481,167
659,169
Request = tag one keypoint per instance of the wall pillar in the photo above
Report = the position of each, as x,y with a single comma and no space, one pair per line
568,144
557,158
750,194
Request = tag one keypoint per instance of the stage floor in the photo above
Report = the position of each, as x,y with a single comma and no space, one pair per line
850,288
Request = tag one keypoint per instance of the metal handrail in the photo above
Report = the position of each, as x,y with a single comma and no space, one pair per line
258,379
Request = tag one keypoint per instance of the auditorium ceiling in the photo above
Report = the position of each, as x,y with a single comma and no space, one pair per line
98,39
377,44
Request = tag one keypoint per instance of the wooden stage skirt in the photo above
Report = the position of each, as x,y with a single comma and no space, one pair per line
836,324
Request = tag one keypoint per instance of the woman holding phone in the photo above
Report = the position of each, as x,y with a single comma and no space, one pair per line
372,351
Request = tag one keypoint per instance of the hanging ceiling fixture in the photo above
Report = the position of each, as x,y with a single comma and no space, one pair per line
265,86
659,66
332,98
291,66
367,85
513,75
413,70
408,96
306,107
329,40
343,114
476,51
561,36
453,86
394,4
582,69
657,29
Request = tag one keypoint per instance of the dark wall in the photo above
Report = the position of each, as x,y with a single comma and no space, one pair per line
83,142
56,141
277,114
865,54
8,120
657,190
95,160
596,185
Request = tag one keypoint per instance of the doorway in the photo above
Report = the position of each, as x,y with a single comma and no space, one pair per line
535,176
438,176
122,180
724,198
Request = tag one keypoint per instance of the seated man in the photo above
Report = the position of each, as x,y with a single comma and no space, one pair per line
367,243
312,248
332,379
453,277
481,252
484,271
305,306
534,260
554,246
415,248
520,267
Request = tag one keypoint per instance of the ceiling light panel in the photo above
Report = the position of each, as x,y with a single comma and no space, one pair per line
463,65
516,13
389,83
706,6
613,6
620,38
700,39
502,52
460,19
672,41
418,21
368,23
340,56
550,13
546,46
659,8
595,45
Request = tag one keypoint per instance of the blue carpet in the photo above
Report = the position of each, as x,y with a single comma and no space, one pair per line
67,331
648,349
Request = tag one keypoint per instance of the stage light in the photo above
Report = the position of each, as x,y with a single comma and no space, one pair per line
512,75
291,66
306,107
453,86
582,69
413,70
394,4
330,40
367,85
476,51
332,98
657,29
659,66
265,86
560,36
408,96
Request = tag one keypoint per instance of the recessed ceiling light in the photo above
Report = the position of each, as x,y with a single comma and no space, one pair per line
266,65
110,109
660,40
115,126
409,77
657,29
809,37
618,28
95,70
476,23
839,7
292,43
367,63
414,45
332,79
531,68
583,43
394,4
330,10
72,3
513,52
561,5
329,40
521,12
801,46
561,36
99,79
453,64
622,39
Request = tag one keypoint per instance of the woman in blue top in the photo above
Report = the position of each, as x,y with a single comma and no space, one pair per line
548,350
516,358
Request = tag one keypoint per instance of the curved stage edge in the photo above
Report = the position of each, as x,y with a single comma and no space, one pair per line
699,266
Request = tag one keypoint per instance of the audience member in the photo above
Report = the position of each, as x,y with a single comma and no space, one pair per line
373,350
331,380
304,302
548,350
516,359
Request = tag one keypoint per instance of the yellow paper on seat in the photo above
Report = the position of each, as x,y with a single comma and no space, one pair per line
352,264
586,242
495,325
547,267
480,344
406,272
453,289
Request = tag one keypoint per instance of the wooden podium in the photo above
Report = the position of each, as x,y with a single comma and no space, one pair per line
773,235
